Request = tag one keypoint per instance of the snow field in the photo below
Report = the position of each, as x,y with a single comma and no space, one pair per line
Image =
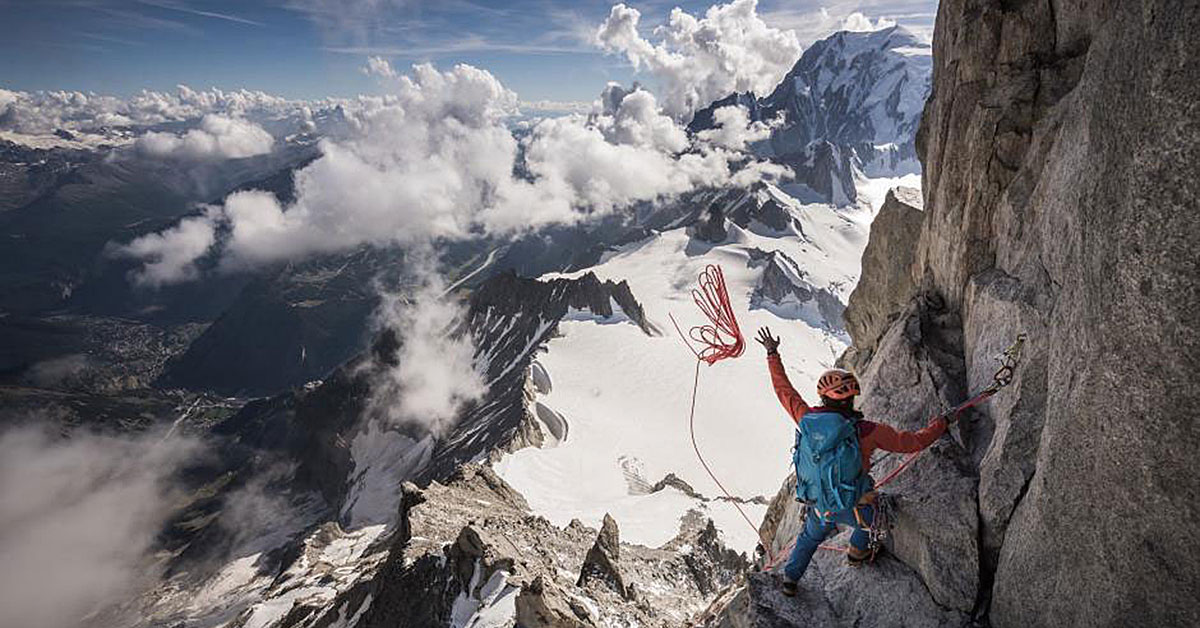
626,395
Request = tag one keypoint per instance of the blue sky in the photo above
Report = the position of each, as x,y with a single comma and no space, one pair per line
315,48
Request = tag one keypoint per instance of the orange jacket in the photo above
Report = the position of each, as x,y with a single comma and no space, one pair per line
871,435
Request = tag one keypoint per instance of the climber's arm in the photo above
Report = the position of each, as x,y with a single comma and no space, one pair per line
889,438
791,400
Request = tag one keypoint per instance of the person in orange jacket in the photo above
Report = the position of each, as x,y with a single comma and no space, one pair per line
837,390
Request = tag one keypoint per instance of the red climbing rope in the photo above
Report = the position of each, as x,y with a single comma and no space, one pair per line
721,339
955,412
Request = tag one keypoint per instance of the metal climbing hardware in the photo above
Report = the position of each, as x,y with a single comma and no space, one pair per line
1008,362
881,525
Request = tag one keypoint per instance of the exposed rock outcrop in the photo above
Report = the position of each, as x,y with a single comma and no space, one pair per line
600,564
886,284
755,209
887,593
784,288
450,561
1060,146
542,604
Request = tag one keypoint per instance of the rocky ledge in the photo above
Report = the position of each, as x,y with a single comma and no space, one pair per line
470,548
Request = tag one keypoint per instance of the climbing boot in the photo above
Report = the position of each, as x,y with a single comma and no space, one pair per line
858,558
789,587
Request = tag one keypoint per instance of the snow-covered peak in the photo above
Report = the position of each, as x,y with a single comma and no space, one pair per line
848,110
857,88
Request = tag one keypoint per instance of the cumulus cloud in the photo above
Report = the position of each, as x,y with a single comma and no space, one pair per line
78,520
696,61
378,66
436,159
734,130
435,372
810,25
45,111
169,256
219,137
861,23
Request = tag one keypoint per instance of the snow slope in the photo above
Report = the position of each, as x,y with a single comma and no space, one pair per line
625,395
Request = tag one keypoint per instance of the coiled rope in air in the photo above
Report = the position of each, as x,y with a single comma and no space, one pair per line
721,338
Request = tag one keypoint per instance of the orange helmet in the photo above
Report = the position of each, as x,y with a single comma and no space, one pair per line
837,384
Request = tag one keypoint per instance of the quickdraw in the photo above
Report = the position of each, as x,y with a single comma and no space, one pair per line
881,525
1008,362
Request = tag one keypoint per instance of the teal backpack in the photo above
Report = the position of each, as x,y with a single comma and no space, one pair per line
828,461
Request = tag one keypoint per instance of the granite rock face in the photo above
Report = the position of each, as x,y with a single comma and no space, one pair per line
542,604
885,593
600,564
912,378
1060,149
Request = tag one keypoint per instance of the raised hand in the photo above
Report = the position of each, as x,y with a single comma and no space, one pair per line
770,343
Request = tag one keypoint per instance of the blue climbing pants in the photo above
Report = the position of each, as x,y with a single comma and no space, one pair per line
818,528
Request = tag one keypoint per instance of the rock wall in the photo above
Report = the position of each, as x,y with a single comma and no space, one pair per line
1060,150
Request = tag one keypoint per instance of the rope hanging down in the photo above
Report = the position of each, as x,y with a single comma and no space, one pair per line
720,338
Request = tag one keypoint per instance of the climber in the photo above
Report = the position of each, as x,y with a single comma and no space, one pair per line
833,461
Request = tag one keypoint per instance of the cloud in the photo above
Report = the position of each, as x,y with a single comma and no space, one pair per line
734,129
45,111
60,371
696,61
435,158
860,23
218,137
173,6
357,21
812,25
378,66
435,372
556,106
169,256
78,521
